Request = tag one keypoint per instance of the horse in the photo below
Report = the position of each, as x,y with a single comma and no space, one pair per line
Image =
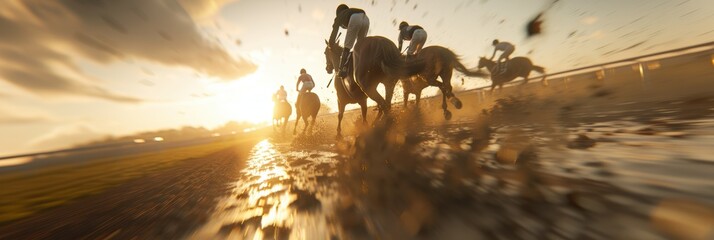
516,67
308,106
377,60
346,88
440,62
281,113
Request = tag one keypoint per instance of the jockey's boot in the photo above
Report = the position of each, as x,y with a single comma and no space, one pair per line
343,62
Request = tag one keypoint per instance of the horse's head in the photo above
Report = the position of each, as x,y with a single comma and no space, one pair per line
482,62
332,55
329,67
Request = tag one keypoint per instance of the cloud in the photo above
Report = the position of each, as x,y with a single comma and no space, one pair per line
318,15
16,115
201,9
66,136
39,40
6,118
589,20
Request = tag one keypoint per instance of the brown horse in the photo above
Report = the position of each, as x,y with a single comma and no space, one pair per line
515,67
377,60
308,106
346,88
440,62
281,114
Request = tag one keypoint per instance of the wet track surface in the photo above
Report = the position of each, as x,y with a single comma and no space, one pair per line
631,173
524,168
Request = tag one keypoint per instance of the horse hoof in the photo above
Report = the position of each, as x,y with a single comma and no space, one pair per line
456,102
447,115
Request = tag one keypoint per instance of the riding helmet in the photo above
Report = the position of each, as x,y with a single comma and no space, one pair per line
403,24
341,8
495,41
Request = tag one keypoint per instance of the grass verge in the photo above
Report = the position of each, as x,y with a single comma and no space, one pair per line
29,192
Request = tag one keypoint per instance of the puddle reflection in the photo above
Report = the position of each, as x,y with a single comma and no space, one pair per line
276,197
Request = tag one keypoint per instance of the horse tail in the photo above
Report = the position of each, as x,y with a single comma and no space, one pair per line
539,69
468,72
449,56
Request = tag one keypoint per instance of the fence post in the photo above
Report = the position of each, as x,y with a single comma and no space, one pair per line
643,75
601,73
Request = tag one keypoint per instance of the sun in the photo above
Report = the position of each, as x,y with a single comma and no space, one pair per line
252,105
246,100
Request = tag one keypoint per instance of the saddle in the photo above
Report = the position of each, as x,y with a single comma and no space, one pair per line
501,68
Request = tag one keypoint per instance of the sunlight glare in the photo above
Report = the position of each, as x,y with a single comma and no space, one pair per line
248,99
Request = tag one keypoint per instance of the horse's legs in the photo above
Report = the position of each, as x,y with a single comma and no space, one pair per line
406,97
381,103
446,81
304,119
447,114
297,120
418,97
284,123
525,77
444,94
312,124
389,91
363,79
363,106
340,114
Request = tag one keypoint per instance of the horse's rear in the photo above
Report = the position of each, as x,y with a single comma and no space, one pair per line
515,67
310,104
523,67
440,62
282,112
309,107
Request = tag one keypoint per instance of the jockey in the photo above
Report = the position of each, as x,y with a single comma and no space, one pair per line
307,84
507,49
357,24
416,35
281,95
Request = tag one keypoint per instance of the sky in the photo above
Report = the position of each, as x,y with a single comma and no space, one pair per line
76,71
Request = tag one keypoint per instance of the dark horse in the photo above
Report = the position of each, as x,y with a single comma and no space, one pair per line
377,60
516,67
281,113
346,88
308,106
440,62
